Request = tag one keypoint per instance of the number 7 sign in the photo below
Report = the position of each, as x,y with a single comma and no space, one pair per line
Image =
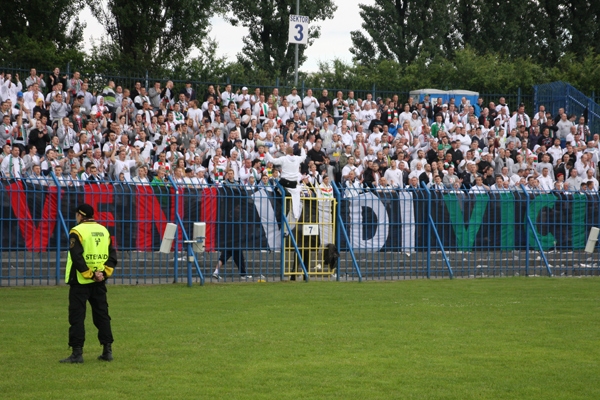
298,33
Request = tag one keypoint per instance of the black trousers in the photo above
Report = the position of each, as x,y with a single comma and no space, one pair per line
79,295
238,258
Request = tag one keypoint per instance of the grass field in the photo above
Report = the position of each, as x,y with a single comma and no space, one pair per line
535,338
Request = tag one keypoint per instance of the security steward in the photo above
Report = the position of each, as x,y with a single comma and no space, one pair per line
91,261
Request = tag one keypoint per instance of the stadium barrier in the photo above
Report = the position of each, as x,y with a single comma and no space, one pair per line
556,95
379,234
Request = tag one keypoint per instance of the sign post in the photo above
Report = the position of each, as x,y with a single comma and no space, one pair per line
298,34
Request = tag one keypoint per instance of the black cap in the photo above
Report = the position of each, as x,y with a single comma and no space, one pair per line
85,210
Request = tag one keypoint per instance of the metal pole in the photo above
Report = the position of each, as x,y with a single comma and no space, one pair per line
296,57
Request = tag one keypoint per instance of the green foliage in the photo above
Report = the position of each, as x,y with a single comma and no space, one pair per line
502,338
266,46
488,73
544,30
400,30
40,33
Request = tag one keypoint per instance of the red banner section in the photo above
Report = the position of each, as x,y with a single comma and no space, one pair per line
145,220
209,215
100,197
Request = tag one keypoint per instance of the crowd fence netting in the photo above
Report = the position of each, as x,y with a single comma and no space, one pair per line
369,234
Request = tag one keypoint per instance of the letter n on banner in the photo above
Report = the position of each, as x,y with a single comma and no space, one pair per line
101,197
36,237
149,212
209,216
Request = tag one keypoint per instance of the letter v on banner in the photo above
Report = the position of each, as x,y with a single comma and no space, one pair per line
466,237
36,237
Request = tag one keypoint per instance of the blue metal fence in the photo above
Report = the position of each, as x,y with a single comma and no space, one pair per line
559,94
380,234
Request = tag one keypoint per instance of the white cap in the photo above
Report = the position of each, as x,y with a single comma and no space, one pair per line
444,105
244,88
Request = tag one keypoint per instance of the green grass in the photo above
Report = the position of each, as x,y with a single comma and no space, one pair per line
499,338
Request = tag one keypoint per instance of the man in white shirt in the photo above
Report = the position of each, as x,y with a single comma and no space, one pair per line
142,178
285,111
227,96
125,166
290,166
243,99
546,181
9,90
310,103
366,116
13,166
590,177
479,187
498,186
406,115
36,176
394,176
293,98
522,117
502,106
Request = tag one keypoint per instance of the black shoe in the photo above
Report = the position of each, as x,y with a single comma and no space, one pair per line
75,358
106,353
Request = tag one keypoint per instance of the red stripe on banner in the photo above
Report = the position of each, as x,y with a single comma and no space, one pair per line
148,212
36,237
101,194
208,214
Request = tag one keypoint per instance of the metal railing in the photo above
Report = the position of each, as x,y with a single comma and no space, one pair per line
380,233
559,94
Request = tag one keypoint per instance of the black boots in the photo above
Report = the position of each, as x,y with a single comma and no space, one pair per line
76,357
106,353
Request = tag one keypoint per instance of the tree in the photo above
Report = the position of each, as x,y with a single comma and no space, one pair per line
510,28
266,46
401,29
41,34
153,34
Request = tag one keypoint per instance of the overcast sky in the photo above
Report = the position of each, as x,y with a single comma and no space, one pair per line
334,42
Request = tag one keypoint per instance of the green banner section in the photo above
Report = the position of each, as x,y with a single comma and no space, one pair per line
578,212
507,218
535,207
465,237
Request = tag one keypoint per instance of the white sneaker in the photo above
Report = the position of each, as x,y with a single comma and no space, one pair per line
216,276
246,277
334,276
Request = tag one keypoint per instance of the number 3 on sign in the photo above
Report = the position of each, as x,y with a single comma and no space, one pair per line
298,29
300,32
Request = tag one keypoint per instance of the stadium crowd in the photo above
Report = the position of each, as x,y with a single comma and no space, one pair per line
142,135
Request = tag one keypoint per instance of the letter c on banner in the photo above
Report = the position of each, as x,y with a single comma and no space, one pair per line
375,243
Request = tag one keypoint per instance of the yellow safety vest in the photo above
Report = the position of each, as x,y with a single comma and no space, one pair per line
95,241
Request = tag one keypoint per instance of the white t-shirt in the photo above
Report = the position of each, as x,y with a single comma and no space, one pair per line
227,97
124,167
